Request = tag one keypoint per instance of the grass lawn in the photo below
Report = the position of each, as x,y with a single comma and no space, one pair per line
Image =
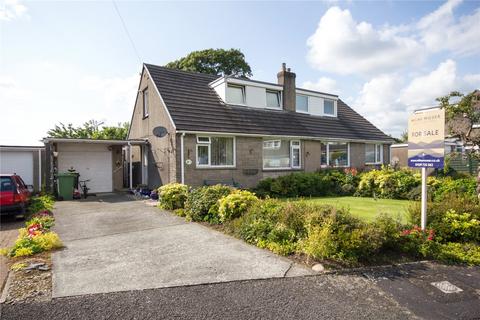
367,208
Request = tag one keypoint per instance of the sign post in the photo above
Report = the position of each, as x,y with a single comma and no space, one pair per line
426,146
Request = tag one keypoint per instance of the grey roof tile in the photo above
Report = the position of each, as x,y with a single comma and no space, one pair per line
194,106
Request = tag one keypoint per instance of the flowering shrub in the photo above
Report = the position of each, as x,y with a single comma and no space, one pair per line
235,204
458,227
413,241
172,196
36,237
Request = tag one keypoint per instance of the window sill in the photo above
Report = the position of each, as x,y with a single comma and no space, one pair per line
215,167
282,169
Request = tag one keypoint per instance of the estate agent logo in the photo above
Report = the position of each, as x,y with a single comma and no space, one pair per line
426,139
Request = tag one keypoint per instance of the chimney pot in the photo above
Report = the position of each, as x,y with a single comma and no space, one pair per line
284,66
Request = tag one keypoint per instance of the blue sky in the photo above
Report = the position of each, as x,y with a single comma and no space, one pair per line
72,61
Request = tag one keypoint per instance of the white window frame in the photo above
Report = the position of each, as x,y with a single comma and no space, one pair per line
271,144
294,144
327,144
334,108
308,103
380,154
208,143
279,99
145,103
244,97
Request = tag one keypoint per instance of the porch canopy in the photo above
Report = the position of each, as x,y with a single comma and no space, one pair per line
95,158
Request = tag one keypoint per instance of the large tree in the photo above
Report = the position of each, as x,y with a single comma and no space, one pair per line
90,130
462,114
214,61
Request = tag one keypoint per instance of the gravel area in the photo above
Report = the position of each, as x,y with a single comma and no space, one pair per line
30,285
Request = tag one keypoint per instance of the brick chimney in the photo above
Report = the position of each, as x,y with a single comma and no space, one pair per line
286,78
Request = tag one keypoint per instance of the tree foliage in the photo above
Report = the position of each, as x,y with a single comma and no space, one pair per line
90,130
214,61
462,114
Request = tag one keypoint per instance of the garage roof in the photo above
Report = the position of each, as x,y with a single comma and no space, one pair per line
96,141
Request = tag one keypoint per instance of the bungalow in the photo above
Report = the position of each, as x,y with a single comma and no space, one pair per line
240,131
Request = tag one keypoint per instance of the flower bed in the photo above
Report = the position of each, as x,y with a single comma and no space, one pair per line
323,232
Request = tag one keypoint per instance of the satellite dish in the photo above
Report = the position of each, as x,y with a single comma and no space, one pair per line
160,132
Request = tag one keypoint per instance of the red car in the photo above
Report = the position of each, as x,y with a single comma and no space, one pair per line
14,194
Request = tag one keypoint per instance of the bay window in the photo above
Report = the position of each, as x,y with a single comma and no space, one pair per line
373,153
215,151
335,154
281,154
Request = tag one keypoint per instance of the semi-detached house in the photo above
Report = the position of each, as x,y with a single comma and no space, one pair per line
237,130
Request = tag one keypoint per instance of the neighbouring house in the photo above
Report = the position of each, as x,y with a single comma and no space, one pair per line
240,131
26,161
456,153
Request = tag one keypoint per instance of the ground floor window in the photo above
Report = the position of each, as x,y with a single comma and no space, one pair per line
335,154
215,151
373,153
281,154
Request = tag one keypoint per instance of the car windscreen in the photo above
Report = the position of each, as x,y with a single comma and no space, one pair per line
6,184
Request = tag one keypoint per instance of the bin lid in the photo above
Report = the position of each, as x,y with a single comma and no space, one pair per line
66,174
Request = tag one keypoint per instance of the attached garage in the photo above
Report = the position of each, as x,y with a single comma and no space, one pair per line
93,162
25,161
102,162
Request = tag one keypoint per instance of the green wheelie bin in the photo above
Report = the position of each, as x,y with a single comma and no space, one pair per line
65,183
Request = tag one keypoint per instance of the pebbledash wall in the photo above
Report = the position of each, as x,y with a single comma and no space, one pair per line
248,170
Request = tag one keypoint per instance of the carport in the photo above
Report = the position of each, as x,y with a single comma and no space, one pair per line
108,164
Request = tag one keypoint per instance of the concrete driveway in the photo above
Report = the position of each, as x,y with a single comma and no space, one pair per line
114,243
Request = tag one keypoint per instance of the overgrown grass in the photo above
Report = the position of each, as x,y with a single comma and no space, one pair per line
367,208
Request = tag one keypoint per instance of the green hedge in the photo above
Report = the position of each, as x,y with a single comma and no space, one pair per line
202,202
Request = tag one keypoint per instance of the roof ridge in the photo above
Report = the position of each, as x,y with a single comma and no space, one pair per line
182,71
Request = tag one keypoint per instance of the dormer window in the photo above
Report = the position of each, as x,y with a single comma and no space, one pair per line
302,103
273,99
235,94
328,107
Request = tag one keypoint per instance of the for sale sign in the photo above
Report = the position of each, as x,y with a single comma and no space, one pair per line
426,139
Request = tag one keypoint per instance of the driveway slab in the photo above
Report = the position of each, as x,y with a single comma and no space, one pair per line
115,244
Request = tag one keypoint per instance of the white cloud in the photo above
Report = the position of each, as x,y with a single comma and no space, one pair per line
12,9
42,100
323,84
342,45
387,100
423,90
441,30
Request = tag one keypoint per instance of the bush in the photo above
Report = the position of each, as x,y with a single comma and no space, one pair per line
202,203
340,236
301,184
41,203
465,187
468,253
235,204
458,227
172,196
443,217
388,183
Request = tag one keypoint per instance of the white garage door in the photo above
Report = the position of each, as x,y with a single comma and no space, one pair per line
19,162
95,166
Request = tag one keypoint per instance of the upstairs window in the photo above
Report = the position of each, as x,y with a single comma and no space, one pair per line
281,154
328,107
273,99
145,103
215,152
236,94
373,153
302,103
